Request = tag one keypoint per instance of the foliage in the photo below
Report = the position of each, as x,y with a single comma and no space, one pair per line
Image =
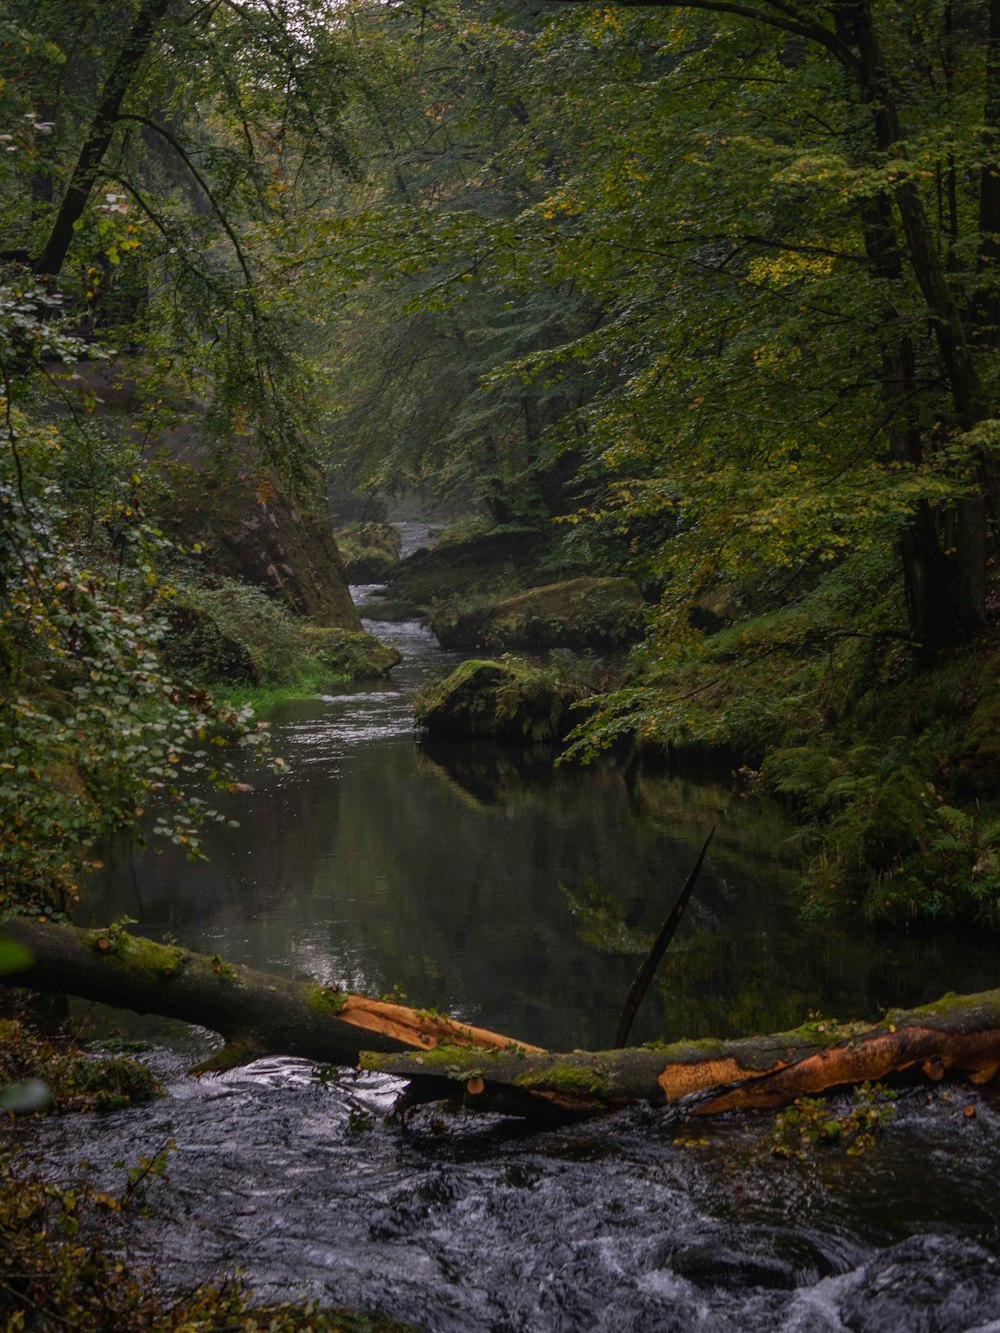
60,1267
74,1081
811,1122
92,727
141,223
275,640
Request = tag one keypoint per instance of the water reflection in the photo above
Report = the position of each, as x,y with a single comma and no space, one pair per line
513,894
520,897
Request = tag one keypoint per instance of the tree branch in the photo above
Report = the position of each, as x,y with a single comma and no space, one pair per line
786,18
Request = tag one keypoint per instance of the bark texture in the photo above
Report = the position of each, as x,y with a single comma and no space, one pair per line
258,1013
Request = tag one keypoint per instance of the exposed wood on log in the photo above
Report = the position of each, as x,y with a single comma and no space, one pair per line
958,1035
258,1013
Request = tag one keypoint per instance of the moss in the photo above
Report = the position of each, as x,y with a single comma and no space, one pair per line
444,1060
982,1009
511,700
352,654
144,959
326,999
567,1078
236,1051
690,1051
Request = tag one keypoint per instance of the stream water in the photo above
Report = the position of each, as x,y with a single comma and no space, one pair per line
522,899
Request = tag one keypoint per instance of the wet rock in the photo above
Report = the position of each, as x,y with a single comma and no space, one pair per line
501,701
356,655
927,1284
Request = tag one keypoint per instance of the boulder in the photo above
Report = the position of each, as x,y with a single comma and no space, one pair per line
498,701
249,527
353,654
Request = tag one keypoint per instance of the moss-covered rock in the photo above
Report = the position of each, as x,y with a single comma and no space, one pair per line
596,613
370,551
979,762
499,700
355,655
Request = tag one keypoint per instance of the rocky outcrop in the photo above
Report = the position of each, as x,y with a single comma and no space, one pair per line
601,614
499,701
353,654
250,524
249,528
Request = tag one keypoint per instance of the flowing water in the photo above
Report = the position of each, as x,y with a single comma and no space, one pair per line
522,899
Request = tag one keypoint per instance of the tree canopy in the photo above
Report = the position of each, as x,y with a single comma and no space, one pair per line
710,289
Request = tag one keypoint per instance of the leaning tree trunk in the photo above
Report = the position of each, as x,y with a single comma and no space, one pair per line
259,1014
88,165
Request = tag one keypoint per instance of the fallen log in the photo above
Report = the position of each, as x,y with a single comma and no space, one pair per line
958,1035
260,1014
256,1013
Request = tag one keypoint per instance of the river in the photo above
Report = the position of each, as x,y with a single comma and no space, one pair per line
521,898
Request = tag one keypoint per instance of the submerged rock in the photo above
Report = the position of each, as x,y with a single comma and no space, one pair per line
595,613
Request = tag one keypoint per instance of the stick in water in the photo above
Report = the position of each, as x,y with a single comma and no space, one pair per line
667,931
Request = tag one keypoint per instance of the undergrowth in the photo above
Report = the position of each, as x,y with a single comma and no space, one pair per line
887,756
62,1267
62,1264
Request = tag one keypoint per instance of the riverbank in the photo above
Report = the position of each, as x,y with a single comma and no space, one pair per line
884,752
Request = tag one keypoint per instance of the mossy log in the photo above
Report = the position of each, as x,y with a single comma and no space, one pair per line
258,1013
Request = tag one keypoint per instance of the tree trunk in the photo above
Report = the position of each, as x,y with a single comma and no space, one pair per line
88,164
260,1014
256,1013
